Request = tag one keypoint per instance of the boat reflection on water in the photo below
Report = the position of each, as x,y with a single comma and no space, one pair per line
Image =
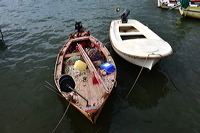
150,87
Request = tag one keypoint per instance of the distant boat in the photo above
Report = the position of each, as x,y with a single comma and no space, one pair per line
189,9
85,73
167,4
136,43
174,4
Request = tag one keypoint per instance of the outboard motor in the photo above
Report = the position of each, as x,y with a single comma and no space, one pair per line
78,26
125,15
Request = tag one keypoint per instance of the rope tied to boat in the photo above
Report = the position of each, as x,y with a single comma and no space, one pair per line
62,116
140,73
70,98
52,89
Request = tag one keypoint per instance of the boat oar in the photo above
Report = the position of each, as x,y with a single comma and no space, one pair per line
174,7
91,66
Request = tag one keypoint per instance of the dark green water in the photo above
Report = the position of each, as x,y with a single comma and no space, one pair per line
164,100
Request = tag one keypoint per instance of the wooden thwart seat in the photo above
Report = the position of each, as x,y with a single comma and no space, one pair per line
130,33
72,54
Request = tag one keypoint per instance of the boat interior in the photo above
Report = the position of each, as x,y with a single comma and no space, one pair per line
127,29
89,47
87,81
130,32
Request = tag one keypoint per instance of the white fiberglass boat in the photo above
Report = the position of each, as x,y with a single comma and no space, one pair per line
136,43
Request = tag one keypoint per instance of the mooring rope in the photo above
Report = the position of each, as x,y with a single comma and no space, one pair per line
52,89
140,73
167,72
61,118
136,78
60,96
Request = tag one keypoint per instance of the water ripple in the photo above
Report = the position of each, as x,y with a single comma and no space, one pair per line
34,31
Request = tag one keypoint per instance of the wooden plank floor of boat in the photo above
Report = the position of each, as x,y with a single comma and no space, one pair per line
84,85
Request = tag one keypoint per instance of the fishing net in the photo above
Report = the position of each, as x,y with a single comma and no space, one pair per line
94,54
70,62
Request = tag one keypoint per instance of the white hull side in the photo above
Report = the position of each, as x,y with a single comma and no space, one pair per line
137,44
149,63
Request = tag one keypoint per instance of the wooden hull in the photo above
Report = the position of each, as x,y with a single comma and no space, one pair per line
137,44
191,11
92,88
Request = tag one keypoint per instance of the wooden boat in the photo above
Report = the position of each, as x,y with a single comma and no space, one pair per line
189,10
136,43
85,73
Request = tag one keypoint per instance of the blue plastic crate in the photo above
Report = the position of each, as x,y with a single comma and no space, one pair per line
109,68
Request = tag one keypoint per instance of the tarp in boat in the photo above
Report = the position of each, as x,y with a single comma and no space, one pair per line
185,3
